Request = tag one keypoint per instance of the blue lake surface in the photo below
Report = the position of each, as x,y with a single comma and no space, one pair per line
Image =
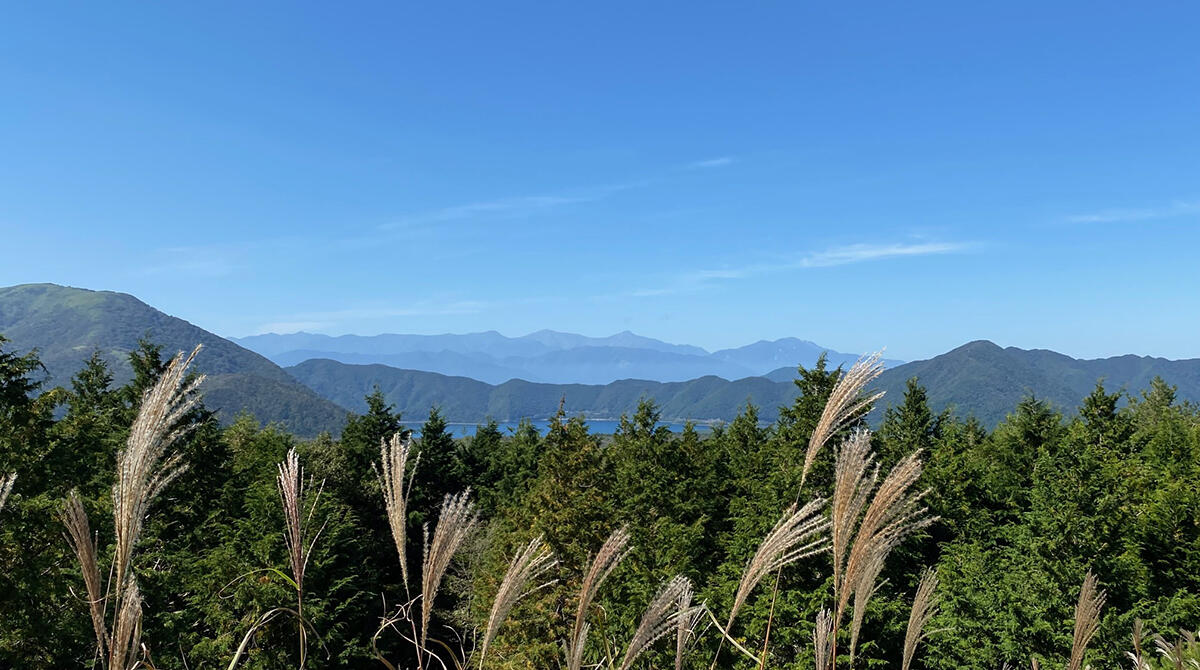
543,426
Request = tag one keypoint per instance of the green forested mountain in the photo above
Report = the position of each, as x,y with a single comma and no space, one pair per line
986,381
461,399
978,380
66,325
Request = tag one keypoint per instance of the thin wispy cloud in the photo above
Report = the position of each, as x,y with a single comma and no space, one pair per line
508,208
202,262
334,319
720,161
843,255
1175,209
861,253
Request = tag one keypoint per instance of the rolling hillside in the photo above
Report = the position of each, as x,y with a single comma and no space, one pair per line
413,392
67,324
987,381
979,379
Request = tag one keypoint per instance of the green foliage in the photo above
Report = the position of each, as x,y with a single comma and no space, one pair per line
1025,511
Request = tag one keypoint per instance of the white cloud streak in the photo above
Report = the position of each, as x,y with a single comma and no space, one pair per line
844,255
1175,209
508,208
721,161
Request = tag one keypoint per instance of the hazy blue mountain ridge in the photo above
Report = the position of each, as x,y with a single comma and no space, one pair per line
545,356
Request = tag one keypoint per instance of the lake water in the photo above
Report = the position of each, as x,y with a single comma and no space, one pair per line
509,427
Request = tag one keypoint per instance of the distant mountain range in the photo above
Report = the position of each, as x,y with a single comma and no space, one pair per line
462,399
546,356
978,379
66,325
981,379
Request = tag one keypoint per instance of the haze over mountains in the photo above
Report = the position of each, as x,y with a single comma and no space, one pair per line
978,379
546,356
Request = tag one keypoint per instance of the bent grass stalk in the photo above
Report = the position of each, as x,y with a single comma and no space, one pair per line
457,521
846,402
529,564
143,470
611,553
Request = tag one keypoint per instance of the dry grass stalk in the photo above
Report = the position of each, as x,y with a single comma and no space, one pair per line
458,519
79,535
1183,654
851,490
685,626
297,531
846,402
799,533
894,512
661,617
1139,639
823,640
6,486
575,651
127,632
143,469
296,523
864,590
394,455
924,608
1087,619
610,555
526,567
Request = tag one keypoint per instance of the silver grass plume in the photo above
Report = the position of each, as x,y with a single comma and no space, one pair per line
854,479
798,534
823,640
661,617
1183,654
393,456
894,512
298,535
924,608
297,531
128,630
527,567
864,590
685,625
1139,639
846,402
458,519
611,553
1087,618
143,469
79,535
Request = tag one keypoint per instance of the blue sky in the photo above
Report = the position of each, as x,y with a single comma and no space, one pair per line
914,175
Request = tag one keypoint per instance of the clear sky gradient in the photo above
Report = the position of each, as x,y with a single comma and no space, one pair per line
914,175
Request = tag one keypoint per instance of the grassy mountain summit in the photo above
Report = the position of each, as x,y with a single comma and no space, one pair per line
67,324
